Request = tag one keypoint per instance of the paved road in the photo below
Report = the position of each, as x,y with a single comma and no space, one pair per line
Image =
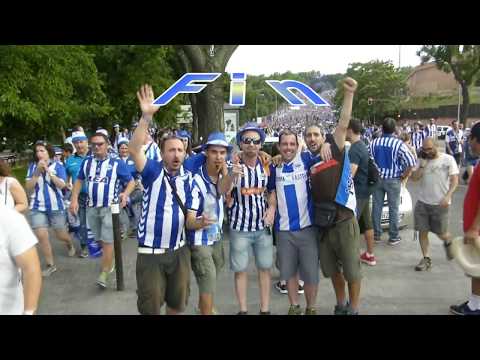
391,287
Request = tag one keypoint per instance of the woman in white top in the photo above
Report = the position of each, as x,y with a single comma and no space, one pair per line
12,194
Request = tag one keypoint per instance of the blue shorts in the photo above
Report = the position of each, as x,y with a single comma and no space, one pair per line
262,244
41,219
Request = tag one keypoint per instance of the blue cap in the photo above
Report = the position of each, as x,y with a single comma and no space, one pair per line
251,126
218,139
78,136
183,134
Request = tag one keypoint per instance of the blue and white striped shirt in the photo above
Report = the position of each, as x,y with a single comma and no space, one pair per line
417,139
201,186
453,139
294,199
431,130
152,151
46,196
391,156
162,220
103,179
249,202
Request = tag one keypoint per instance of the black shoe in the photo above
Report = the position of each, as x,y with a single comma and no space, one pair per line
448,250
265,313
282,288
242,313
463,309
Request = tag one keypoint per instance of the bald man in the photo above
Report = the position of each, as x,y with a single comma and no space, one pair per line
437,174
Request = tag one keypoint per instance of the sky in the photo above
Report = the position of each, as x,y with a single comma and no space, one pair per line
328,59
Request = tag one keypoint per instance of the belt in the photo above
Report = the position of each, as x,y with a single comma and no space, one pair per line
154,251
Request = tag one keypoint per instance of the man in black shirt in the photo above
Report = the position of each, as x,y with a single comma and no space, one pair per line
359,155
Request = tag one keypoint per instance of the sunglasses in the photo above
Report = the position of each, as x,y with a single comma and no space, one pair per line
97,144
248,140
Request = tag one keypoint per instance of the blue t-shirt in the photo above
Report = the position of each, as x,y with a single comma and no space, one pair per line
72,166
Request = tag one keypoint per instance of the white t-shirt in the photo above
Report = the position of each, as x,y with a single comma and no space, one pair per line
435,181
16,237
6,197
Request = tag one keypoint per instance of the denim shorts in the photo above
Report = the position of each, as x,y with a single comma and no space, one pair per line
100,222
262,244
41,219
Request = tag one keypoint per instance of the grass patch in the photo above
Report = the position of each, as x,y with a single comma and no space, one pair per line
20,172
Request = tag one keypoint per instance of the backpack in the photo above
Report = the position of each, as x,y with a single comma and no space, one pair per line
373,172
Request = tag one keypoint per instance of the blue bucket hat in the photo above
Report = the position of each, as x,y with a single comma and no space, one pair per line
183,134
251,126
122,141
218,139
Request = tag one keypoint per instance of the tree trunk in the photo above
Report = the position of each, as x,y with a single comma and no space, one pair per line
465,105
208,103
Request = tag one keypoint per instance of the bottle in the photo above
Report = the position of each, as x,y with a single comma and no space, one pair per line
210,212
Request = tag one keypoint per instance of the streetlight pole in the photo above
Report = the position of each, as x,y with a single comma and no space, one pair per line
458,109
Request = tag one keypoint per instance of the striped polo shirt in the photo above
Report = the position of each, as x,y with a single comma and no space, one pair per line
103,179
417,139
162,221
46,196
391,156
294,198
249,202
201,186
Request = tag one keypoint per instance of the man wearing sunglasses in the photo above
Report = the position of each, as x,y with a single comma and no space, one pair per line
250,218
437,174
102,175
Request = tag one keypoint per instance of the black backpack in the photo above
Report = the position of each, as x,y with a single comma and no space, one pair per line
373,172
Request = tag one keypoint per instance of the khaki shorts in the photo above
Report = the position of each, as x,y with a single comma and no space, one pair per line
339,249
163,278
207,262
364,215
100,222
432,218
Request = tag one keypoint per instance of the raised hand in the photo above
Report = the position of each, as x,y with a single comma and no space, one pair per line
145,99
349,85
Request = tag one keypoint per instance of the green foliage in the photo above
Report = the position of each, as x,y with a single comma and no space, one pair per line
43,88
379,80
124,68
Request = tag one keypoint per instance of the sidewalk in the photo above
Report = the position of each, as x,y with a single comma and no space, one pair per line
391,287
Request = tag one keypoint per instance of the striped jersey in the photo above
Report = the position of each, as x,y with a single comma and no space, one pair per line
453,139
391,156
103,179
417,139
152,151
202,186
294,200
46,196
432,130
162,220
249,202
